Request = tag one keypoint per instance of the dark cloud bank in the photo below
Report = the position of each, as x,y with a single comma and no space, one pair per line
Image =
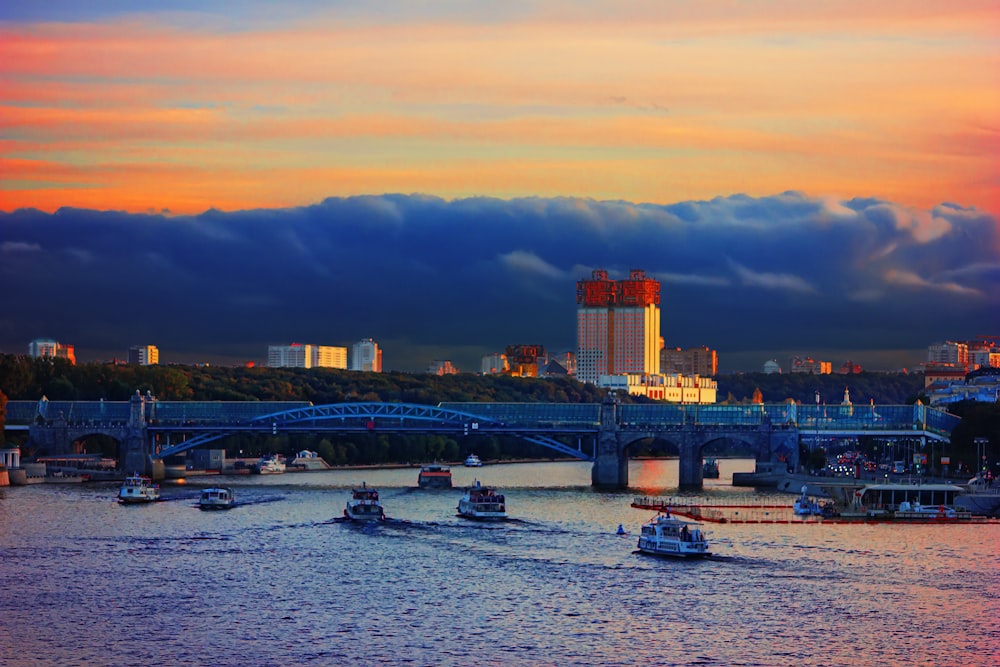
429,278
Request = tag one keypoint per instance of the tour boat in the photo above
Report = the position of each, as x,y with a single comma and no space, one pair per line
482,503
434,477
665,535
710,469
137,489
269,465
217,498
364,505
472,461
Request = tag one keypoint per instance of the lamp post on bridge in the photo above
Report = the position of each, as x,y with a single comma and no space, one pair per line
816,439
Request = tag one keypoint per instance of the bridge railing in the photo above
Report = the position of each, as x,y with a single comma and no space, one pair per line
175,413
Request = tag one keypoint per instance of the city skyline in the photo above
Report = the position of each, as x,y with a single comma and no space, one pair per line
804,180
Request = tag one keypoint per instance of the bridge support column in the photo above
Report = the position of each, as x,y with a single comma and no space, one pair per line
610,467
138,452
610,464
690,473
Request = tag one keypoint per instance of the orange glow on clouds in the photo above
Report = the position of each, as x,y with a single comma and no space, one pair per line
656,102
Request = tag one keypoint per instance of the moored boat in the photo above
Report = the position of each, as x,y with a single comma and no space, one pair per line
806,506
137,489
710,469
765,474
981,496
434,476
269,465
472,461
217,498
483,503
364,505
666,535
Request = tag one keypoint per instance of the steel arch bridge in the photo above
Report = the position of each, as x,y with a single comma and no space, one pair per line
373,417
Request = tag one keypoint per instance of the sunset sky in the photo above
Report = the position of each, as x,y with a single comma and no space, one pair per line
827,116
191,105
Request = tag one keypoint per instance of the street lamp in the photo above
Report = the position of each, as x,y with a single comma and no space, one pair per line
816,440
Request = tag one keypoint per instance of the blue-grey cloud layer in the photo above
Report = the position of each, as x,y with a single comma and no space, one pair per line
431,278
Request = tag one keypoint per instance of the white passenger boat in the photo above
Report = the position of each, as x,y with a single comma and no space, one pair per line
364,505
482,503
217,498
269,465
137,489
667,536
472,461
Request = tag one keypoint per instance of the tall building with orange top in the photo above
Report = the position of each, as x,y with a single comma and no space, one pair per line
617,326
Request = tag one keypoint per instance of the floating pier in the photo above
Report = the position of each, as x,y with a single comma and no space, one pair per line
762,513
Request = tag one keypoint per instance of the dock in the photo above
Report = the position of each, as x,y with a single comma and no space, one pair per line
771,513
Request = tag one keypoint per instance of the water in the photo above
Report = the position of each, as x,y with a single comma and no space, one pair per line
279,580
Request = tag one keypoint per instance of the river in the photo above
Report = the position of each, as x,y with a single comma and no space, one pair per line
279,580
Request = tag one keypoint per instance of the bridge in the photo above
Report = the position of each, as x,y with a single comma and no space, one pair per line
149,430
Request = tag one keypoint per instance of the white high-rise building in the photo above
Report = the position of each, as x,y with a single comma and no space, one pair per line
144,355
366,356
305,355
618,326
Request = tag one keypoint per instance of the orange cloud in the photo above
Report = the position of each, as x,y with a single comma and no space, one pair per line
645,102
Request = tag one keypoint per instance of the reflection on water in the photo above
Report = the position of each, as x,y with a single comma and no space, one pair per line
280,580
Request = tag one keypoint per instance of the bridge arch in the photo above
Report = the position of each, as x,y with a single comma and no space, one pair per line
370,417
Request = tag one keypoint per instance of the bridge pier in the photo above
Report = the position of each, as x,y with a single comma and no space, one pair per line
690,473
610,468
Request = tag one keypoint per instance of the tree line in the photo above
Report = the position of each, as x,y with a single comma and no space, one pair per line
26,378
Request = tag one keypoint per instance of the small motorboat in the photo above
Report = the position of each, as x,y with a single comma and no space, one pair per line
806,506
482,503
472,461
217,498
136,490
666,535
270,465
364,505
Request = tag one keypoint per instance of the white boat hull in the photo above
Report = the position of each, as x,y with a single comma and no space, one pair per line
673,549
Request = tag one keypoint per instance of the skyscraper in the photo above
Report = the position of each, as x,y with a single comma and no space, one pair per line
617,326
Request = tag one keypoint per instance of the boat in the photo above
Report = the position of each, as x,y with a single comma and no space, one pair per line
364,505
137,489
806,506
981,496
472,461
666,535
217,498
765,474
710,469
269,465
483,503
434,476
